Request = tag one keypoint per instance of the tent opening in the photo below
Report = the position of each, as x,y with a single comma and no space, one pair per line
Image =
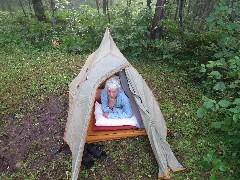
102,133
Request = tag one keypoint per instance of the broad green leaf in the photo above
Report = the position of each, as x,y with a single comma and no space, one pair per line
216,74
220,22
224,103
208,104
220,86
210,19
237,60
223,62
229,11
201,112
211,25
236,117
205,165
211,64
218,55
234,110
216,125
237,101
205,98
227,121
203,70
214,176
219,165
210,156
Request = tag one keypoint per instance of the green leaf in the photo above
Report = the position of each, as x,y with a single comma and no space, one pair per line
211,64
235,110
217,125
227,121
216,74
220,86
210,156
237,101
205,98
224,103
208,104
203,70
210,19
205,165
211,25
201,112
219,165
218,55
214,176
220,22
236,117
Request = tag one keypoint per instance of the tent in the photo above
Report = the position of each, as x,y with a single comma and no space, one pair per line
106,61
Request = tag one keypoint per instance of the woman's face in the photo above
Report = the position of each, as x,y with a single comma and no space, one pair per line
112,93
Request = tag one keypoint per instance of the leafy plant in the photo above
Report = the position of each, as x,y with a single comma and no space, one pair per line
223,75
211,163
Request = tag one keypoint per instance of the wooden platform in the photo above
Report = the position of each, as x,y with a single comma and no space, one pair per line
97,136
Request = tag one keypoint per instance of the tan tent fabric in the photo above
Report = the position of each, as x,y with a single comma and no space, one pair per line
100,65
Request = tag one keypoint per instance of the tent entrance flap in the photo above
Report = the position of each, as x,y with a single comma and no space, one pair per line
97,136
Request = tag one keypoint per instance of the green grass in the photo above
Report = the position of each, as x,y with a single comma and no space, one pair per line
29,77
32,75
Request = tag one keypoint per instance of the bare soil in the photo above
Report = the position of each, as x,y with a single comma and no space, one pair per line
37,132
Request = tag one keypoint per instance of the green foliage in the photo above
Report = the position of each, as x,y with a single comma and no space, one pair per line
223,76
26,33
211,163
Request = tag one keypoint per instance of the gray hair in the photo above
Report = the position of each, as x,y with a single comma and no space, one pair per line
113,83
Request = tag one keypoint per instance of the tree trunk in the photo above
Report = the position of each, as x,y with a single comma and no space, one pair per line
156,32
52,8
233,14
194,15
108,15
104,6
189,6
176,12
9,7
30,5
97,3
181,15
20,2
149,3
2,5
206,13
39,10
129,3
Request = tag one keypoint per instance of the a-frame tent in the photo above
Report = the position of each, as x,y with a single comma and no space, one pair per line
99,66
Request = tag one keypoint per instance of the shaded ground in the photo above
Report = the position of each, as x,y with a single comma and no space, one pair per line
39,131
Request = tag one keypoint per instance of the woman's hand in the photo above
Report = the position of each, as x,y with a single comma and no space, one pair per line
111,102
105,114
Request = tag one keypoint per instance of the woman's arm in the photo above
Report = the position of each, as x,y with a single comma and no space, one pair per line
104,100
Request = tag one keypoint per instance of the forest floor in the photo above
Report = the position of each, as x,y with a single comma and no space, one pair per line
34,95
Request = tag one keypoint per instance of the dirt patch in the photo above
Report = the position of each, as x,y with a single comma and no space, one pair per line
33,137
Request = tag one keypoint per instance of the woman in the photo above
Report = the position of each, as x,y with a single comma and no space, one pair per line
115,103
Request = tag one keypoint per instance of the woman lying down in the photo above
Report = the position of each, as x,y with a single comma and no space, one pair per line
115,109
